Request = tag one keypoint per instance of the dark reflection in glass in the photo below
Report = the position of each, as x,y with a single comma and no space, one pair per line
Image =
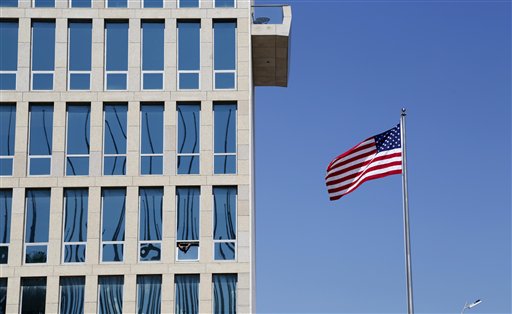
43,54
3,294
75,225
74,253
188,250
187,294
149,294
5,224
225,137
41,138
72,295
37,221
188,222
7,137
33,295
78,143
152,141
224,222
112,236
150,220
225,251
110,294
150,252
224,293
115,139
188,138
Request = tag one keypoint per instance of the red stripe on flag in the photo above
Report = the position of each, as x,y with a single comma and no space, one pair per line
377,176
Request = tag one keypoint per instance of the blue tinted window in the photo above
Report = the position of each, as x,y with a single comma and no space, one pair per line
188,138
224,222
9,3
115,129
37,219
152,54
72,295
149,293
5,224
77,141
187,223
224,137
117,54
80,3
224,293
153,3
110,291
150,223
187,294
33,295
189,3
224,3
152,131
188,54
7,137
8,53
43,54
44,3
41,136
3,294
224,54
117,3
113,218
80,47
75,225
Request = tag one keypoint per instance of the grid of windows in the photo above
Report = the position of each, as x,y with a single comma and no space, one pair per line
119,3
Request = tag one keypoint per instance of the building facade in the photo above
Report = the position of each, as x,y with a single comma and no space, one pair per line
127,152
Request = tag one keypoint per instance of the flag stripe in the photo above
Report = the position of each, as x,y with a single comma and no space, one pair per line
337,196
369,143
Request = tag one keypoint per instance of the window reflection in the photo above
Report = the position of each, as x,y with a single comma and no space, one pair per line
224,293
5,224
150,223
153,54
149,293
80,49
188,54
152,131
7,137
224,222
187,294
116,42
41,137
77,140
33,295
114,162
187,238
224,51
3,294
188,138
75,225
72,295
110,294
37,219
113,224
8,49
224,137
43,54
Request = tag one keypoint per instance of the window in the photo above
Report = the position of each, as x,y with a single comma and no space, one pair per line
114,129
224,293
224,52
8,50
149,294
110,294
75,225
3,294
224,3
224,137
188,138
152,3
8,3
5,225
40,139
117,3
80,49
150,224
44,3
152,55
77,139
37,224
33,295
116,45
187,294
72,295
188,54
224,223
187,238
152,141
112,232
80,3
188,3
43,54
7,136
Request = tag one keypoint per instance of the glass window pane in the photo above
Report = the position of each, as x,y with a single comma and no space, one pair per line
115,128
189,45
188,128
7,129
153,3
152,129
150,252
224,293
225,251
188,251
117,3
117,45
72,295
189,80
41,125
43,45
42,81
37,215
187,294
224,221
225,128
9,3
224,80
78,131
114,205
5,223
79,81
33,295
151,165
8,44
3,294
114,166
75,223
110,291
150,214
149,294
152,45
116,81
189,3
80,45
74,253
7,81
225,164
188,164
224,45
6,167
44,3
36,254
153,81
80,3
224,3
77,166
40,166
188,213
112,253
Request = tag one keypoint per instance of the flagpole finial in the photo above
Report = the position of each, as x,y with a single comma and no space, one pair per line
404,111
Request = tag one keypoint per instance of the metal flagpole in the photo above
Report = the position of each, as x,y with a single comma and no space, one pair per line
410,306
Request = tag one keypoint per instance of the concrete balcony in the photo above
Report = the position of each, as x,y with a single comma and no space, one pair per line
271,28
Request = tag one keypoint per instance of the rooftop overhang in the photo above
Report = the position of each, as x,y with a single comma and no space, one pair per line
271,47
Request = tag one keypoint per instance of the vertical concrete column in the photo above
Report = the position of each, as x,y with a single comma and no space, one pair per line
243,54
13,295
131,227
91,294
61,54
52,294
129,294
133,143
99,4
55,228
96,135
21,140
169,227
170,55
92,256
167,293
243,293
243,138
24,51
59,131
206,54
98,50
134,62
206,220
206,139
243,218
205,293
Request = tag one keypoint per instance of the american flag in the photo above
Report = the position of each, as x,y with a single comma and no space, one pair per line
376,157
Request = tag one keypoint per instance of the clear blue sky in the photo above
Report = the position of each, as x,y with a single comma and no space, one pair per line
354,64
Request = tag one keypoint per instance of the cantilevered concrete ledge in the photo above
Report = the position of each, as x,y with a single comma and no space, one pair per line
270,51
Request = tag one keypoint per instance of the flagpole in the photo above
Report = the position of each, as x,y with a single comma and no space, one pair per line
410,306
